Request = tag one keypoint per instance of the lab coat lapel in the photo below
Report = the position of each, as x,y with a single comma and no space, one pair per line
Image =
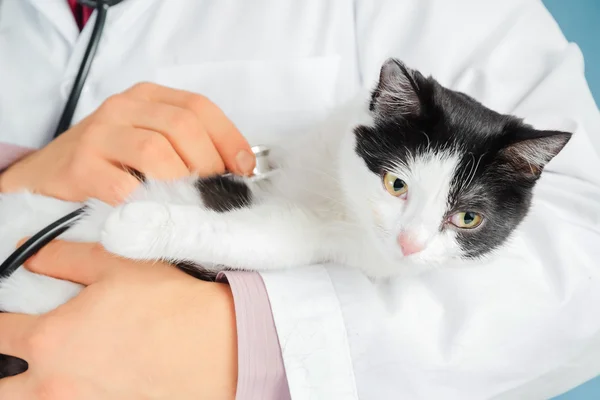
59,14
119,18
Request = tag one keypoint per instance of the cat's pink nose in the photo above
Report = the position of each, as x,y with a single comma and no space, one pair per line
408,244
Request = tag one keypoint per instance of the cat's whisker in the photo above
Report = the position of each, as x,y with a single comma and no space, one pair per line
426,137
464,177
475,170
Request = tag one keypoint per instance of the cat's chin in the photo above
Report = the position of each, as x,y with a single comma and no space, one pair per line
414,264
435,261
404,268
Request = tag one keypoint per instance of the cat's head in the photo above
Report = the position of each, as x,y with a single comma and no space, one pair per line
437,175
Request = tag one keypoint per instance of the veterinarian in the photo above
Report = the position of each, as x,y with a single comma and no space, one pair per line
223,75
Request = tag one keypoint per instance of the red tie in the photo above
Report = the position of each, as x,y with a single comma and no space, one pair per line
81,13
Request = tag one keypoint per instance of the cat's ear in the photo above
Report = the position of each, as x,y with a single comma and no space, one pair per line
533,149
397,92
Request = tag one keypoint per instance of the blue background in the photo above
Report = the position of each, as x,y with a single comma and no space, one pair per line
580,22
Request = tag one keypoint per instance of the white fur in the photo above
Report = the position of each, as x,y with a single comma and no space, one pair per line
323,205
428,178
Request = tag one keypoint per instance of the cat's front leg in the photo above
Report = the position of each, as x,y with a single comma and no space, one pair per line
265,236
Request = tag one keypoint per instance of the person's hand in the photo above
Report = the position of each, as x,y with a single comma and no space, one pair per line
161,132
137,331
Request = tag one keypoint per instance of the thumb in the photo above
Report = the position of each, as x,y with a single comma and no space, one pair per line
83,263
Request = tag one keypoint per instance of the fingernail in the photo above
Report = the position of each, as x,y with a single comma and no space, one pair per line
245,162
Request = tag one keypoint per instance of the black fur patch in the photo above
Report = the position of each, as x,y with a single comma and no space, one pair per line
489,179
136,174
196,271
222,193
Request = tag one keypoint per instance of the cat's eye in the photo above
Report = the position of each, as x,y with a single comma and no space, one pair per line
466,220
394,185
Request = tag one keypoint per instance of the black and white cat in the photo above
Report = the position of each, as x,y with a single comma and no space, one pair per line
397,181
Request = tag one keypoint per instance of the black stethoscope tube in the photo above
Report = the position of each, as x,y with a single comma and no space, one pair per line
58,227
37,241
84,69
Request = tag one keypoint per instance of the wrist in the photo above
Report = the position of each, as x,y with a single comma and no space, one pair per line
221,342
11,179
6,181
10,157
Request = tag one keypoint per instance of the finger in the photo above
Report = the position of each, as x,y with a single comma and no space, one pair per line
84,263
144,150
108,182
186,134
13,328
181,128
111,184
233,148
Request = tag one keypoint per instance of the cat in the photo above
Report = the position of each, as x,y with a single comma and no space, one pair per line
408,175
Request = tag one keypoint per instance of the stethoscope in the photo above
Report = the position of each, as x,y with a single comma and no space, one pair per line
262,170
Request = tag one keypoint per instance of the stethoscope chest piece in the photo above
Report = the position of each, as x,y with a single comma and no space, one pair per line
264,167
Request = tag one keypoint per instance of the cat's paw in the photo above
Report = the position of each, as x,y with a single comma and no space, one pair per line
137,230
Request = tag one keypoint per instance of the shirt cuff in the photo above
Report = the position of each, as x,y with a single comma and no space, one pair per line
261,372
10,153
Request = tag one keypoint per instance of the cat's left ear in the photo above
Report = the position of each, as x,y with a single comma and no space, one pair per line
398,91
533,149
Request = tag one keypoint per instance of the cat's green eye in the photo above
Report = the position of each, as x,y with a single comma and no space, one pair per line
466,220
394,185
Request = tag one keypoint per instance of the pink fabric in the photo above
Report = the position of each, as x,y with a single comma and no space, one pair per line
9,153
81,13
261,373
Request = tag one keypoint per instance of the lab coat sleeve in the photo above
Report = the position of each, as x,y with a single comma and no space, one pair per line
521,325
261,374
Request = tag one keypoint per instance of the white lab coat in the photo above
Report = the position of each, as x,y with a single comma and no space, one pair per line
525,325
